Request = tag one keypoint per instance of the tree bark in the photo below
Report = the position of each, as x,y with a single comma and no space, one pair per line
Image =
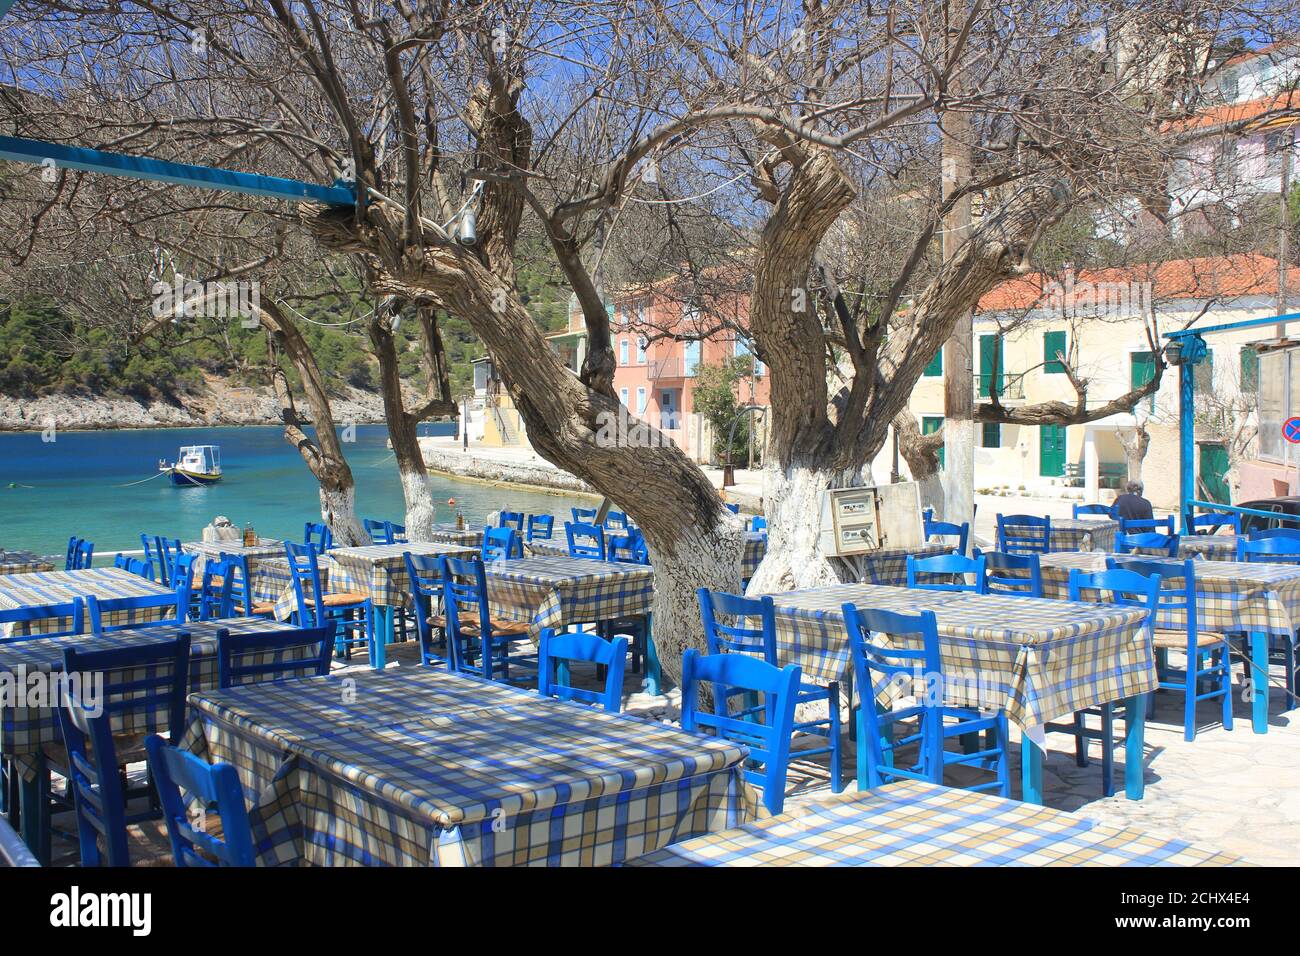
921,452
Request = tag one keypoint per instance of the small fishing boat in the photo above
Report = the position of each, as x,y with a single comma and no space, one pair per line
195,465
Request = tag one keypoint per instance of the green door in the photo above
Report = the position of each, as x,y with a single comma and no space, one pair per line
1142,369
1051,450
990,365
929,425
1214,471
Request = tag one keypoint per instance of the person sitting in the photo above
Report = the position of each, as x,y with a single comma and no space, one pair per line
1131,506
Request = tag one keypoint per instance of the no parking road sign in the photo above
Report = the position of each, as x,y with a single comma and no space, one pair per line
1291,430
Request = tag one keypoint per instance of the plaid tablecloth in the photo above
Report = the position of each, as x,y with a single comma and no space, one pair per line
555,592
59,587
1218,547
452,535
422,767
204,551
1083,534
755,548
1231,597
1037,660
919,824
379,571
889,565
22,562
273,582
29,722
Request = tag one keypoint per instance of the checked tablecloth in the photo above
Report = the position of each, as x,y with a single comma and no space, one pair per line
1083,534
1231,596
29,722
755,548
454,535
379,571
60,587
205,551
422,767
1037,660
920,824
22,562
554,592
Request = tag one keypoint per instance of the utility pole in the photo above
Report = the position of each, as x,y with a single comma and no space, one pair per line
958,368
1283,228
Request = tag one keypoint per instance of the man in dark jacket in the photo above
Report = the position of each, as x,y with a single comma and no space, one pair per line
1131,505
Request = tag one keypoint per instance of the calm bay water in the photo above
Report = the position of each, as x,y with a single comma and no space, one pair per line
80,484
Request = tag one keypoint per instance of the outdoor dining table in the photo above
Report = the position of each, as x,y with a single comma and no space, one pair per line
452,534
1232,597
417,766
205,551
1036,660
1218,547
30,722
911,823
39,588
755,548
22,562
1083,534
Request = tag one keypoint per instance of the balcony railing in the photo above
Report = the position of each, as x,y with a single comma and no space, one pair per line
1010,386
669,368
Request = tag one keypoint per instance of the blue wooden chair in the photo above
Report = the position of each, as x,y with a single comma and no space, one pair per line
1080,511
120,560
151,555
376,529
1178,594
317,535
273,655
1129,589
102,610
70,559
1214,520
758,523
628,547
1265,533
215,595
734,509
877,666
1165,525
585,540
1024,534
726,631
540,527
74,611
1015,575
558,650
501,544
83,555
515,520
584,515
768,740
951,569
478,643
215,788
242,598
424,572
946,529
616,521
1147,541
350,615
144,679
1269,550
395,533
169,549
135,566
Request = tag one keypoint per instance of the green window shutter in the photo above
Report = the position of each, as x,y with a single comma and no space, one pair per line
935,368
1205,373
1053,342
929,425
990,365
992,435
1142,369
1249,368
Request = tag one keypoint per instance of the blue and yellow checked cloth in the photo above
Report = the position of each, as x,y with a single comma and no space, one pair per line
554,592
422,767
379,571
920,824
1215,547
755,548
204,551
28,724
22,562
1083,534
889,565
450,534
1037,660
1231,596
60,587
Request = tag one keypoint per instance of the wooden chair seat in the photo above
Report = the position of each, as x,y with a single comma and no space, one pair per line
341,599
129,747
1177,640
499,628
266,608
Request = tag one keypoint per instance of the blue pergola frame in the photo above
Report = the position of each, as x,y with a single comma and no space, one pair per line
1192,343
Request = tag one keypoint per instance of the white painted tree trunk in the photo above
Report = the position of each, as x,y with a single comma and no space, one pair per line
421,511
792,499
338,509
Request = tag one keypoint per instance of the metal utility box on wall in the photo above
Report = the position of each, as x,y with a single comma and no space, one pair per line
860,520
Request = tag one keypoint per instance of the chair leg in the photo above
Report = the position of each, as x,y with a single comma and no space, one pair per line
837,777
1108,750
1190,683
1225,681
1080,742
863,782
1004,759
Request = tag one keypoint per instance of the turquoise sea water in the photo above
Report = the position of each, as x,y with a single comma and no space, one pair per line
74,485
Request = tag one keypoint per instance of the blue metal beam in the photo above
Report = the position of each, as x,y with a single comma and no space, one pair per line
200,177
1233,326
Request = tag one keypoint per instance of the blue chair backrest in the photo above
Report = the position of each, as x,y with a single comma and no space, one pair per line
540,527
70,559
1024,534
511,519
152,556
584,515
465,598
946,529
240,583
920,570
1025,579
143,679
216,589
875,666
134,566
376,529
304,569
215,787
1165,524
734,509
1078,511
1177,584
738,624
168,549
585,540
1274,550
102,610
556,650
758,523
1214,520
1123,586
769,741
120,561
501,544
616,520
1149,540
83,555
317,535
1264,533
273,655
395,533
628,548
424,574
74,611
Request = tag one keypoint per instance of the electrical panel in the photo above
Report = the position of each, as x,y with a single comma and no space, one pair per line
865,519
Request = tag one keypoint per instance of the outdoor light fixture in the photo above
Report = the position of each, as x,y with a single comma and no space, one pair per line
1185,350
